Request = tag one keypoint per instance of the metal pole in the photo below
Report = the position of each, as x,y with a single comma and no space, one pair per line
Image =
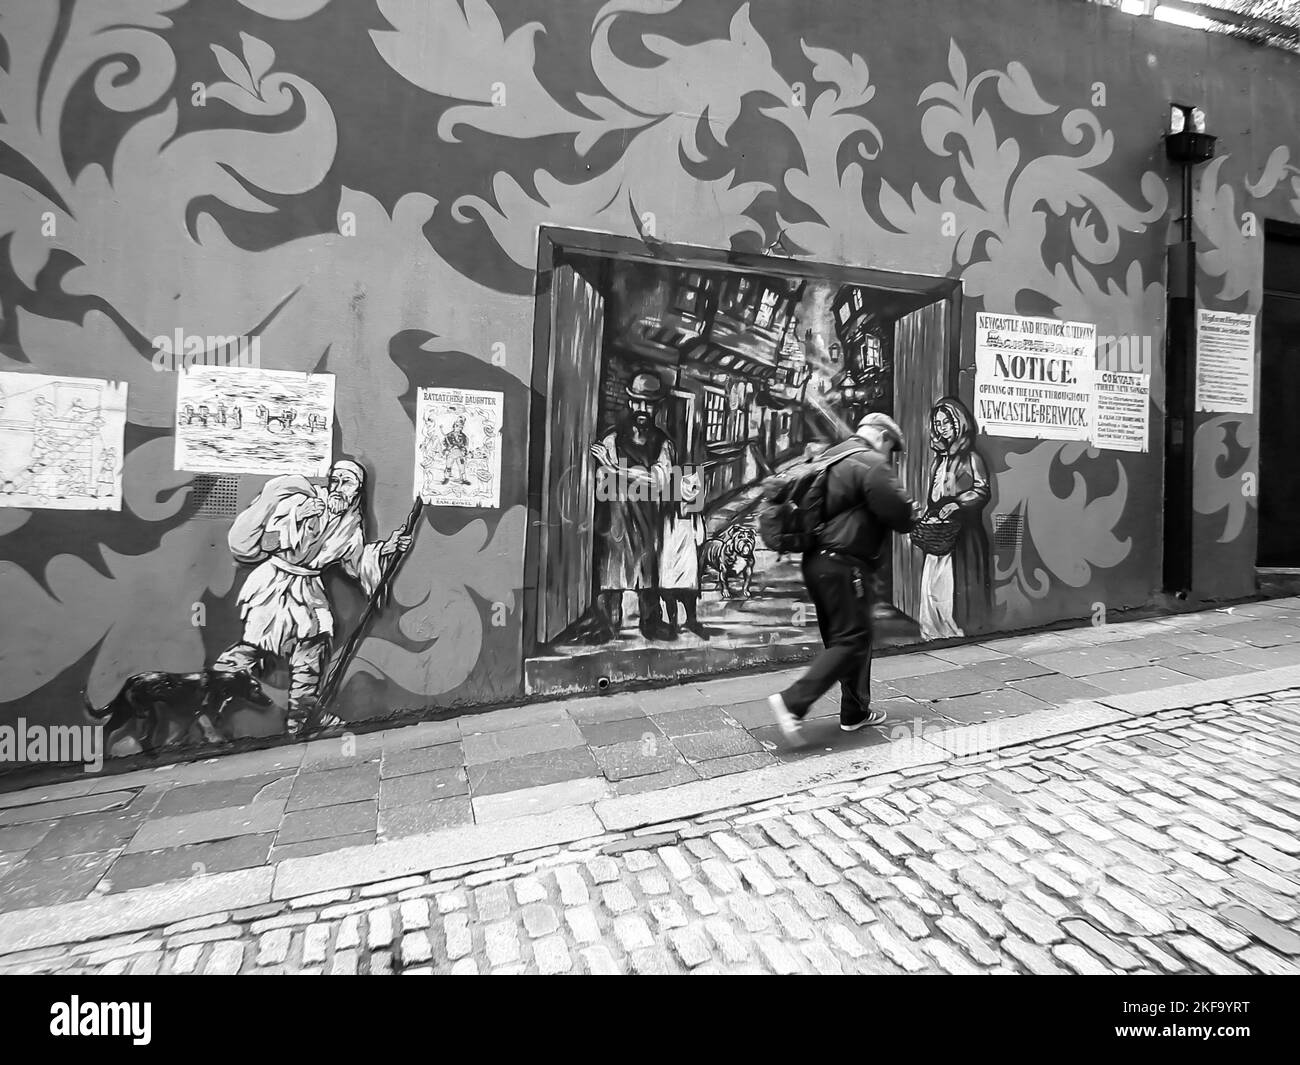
1180,402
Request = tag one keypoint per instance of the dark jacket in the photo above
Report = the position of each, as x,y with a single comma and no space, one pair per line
864,502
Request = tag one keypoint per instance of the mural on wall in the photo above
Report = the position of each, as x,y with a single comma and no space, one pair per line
128,209
711,382
291,533
954,579
61,442
232,420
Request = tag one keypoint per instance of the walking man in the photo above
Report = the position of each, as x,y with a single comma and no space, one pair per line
863,502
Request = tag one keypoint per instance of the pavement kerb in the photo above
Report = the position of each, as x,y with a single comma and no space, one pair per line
356,866
1076,716
131,911
1204,691
720,793
175,901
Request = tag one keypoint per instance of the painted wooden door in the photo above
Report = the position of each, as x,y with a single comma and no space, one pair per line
568,490
921,357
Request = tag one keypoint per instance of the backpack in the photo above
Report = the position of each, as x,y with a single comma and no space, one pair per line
794,505
245,537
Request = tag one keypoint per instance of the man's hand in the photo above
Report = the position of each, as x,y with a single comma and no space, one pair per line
399,541
603,455
311,507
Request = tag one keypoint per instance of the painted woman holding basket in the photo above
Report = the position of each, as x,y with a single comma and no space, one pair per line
954,579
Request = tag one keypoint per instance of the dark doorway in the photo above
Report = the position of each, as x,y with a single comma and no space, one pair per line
1279,391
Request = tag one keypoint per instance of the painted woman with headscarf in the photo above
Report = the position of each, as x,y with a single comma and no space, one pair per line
955,577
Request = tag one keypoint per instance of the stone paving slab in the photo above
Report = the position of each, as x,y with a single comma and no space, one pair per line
423,787
501,744
541,800
140,869
70,807
307,848
1204,667
418,819
207,825
47,793
350,790
1037,858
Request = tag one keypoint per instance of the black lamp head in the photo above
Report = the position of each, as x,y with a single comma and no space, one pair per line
1185,139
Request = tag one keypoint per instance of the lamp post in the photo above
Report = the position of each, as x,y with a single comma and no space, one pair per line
1187,144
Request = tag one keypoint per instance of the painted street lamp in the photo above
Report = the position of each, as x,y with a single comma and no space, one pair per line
1188,144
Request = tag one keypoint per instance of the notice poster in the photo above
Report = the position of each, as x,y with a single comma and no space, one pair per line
458,447
1034,377
61,442
241,420
1121,414
1225,361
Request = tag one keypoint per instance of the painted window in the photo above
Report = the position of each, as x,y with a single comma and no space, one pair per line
715,416
690,294
766,309
870,350
738,296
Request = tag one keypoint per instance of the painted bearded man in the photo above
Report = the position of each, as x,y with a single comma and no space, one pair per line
294,530
640,455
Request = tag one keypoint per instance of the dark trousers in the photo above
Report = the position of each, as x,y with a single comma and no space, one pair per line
841,591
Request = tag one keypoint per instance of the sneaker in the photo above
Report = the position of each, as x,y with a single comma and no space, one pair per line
790,726
871,717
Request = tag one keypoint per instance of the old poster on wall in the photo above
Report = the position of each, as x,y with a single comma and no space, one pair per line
1225,361
458,447
241,420
1034,377
61,442
1120,417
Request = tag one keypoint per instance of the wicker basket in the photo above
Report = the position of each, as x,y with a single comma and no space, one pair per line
935,535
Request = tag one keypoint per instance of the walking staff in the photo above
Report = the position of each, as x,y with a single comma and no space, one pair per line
329,687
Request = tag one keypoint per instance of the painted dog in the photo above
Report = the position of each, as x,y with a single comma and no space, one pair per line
156,698
730,555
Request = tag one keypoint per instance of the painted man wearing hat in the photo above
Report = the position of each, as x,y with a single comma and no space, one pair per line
627,555
294,530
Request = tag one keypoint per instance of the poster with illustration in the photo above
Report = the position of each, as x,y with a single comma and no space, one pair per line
239,420
61,442
458,447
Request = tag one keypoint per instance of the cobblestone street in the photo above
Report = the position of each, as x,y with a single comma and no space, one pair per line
1163,844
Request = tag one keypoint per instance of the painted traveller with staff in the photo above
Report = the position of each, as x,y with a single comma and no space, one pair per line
292,532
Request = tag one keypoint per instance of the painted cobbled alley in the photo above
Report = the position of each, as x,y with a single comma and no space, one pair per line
1118,798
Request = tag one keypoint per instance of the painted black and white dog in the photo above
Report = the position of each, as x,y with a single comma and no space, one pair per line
156,700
